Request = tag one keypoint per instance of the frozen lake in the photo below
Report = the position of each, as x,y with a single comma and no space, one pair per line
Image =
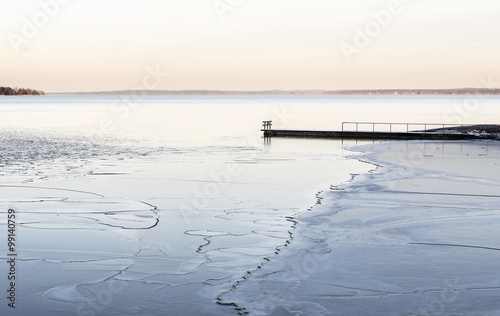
418,236
161,205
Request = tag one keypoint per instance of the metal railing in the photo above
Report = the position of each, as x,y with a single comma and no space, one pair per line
372,126
267,124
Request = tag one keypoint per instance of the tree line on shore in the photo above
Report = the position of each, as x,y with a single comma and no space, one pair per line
20,91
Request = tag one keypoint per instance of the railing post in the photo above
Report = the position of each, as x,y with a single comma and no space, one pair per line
374,126
267,124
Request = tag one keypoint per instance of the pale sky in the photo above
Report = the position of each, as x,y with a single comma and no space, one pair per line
91,45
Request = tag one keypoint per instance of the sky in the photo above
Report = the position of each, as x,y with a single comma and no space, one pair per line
69,45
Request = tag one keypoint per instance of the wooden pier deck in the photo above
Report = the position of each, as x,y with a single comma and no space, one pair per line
365,135
425,134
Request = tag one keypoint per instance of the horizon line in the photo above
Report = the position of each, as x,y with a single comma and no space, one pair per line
463,90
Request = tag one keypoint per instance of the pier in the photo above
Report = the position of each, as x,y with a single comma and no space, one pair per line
384,131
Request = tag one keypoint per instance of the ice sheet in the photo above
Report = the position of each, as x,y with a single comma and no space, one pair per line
416,236
128,229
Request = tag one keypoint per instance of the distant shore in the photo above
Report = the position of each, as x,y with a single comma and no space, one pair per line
461,91
8,91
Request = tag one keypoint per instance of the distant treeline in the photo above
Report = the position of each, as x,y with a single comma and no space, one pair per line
19,91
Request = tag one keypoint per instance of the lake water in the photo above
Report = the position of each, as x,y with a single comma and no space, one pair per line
157,205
